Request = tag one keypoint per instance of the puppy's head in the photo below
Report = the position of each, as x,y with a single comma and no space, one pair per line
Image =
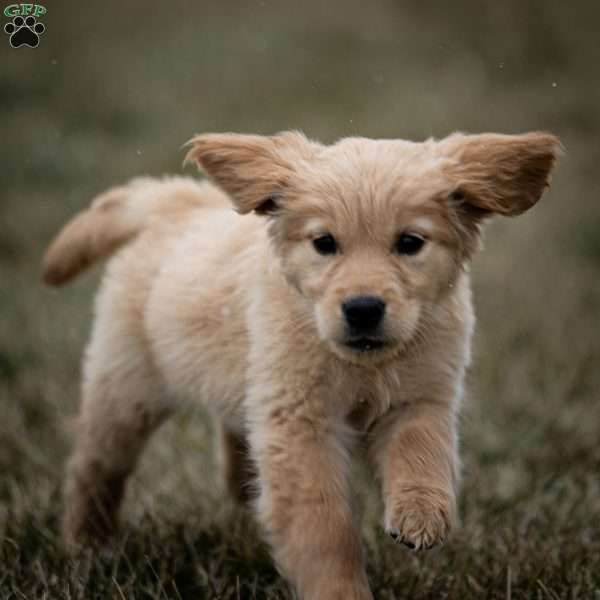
373,234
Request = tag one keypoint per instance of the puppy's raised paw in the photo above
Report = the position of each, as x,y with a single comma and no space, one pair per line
419,517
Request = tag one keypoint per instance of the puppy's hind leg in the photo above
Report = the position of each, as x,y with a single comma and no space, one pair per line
121,406
237,467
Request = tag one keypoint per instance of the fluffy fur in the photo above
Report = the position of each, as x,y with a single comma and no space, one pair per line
240,312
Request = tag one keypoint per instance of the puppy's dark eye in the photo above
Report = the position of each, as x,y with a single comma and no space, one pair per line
409,244
325,244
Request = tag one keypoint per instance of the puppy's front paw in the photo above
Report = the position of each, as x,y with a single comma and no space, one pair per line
420,517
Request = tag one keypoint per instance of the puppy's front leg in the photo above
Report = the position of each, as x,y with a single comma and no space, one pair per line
304,501
416,458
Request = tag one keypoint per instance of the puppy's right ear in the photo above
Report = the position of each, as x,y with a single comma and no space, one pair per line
501,174
254,170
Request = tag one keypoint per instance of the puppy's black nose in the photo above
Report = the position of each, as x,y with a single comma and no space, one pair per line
363,313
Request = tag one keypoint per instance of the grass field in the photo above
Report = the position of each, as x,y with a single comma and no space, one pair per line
113,91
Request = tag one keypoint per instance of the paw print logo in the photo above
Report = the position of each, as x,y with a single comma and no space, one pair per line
24,32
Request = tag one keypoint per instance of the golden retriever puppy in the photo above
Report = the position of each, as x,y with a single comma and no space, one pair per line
333,304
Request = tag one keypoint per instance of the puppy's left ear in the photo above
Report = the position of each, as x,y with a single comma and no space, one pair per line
502,174
254,170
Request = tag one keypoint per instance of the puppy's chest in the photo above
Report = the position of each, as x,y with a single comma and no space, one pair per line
362,414
365,399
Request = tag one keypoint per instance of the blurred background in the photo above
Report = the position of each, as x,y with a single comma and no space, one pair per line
113,91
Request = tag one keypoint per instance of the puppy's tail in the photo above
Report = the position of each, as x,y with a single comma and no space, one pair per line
116,217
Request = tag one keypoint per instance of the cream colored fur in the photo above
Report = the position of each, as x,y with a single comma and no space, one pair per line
241,313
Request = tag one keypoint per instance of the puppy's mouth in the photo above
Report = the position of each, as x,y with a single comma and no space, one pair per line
366,344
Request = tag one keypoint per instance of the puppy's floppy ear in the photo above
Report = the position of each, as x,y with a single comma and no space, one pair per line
253,169
502,174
